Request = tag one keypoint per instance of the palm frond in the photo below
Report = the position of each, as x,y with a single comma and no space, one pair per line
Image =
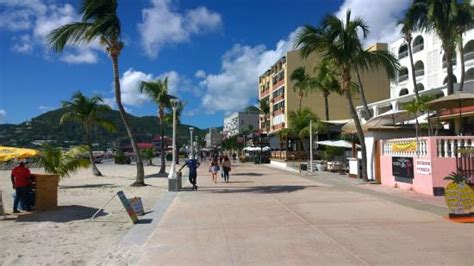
73,33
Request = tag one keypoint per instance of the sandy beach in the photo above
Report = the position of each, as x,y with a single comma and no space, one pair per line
65,235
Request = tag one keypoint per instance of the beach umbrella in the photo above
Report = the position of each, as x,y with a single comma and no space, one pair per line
10,153
456,100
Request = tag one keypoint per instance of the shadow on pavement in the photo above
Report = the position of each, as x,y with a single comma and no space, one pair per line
89,186
63,214
260,189
157,175
247,174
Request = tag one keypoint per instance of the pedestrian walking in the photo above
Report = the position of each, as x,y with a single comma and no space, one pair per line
226,167
214,169
21,181
193,165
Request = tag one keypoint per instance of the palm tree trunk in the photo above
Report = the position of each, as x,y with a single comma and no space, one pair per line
140,179
410,54
301,100
326,105
360,133
162,143
461,51
95,170
366,113
448,55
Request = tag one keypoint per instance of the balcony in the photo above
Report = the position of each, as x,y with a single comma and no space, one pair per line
418,47
279,111
278,98
403,78
277,84
402,54
264,92
419,72
278,126
468,56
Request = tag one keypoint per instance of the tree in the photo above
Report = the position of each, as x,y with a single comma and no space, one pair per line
158,92
299,124
407,33
148,154
87,111
100,21
418,107
264,109
338,42
464,21
326,82
56,161
441,17
301,83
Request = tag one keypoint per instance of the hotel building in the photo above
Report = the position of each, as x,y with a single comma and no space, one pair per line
276,86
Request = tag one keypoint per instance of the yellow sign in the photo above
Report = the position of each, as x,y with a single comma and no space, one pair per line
459,198
404,147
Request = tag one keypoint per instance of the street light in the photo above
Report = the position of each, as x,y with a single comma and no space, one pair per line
172,178
191,129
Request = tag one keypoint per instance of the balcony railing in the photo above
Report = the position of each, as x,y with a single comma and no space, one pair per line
469,56
419,72
418,47
402,54
403,78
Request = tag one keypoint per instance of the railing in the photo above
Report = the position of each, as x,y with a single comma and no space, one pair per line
419,72
290,155
402,54
278,98
418,47
406,147
465,164
468,56
449,146
403,78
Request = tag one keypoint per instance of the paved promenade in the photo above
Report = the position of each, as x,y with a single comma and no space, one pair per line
267,216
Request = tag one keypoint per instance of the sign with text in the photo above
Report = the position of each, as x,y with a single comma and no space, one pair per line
402,167
423,167
128,208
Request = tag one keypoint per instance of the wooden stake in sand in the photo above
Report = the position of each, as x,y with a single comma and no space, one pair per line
97,212
2,210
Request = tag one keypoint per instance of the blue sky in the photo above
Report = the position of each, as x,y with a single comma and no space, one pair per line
211,51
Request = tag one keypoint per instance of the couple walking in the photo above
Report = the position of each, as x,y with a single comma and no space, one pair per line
226,167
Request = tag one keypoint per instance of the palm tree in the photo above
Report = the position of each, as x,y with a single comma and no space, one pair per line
63,163
407,33
338,42
326,82
87,111
299,124
464,21
158,92
301,85
440,16
360,89
264,109
100,22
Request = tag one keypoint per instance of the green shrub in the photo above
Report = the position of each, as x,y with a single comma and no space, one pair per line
120,158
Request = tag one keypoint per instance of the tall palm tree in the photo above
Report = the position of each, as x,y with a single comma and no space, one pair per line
264,109
301,83
100,22
441,17
87,111
326,82
338,41
407,33
158,92
464,21
299,124
360,89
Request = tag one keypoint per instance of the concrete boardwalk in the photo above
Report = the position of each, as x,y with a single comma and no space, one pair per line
267,216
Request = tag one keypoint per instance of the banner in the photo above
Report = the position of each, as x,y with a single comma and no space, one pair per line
404,147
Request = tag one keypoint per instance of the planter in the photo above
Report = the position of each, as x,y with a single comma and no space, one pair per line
46,191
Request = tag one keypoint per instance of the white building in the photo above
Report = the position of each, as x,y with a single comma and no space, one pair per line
431,78
236,123
213,138
430,70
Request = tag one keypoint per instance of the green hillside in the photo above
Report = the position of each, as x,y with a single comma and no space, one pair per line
46,127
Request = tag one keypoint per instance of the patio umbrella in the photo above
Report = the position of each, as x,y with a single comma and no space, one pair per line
337,143
10,153
390,117
456,100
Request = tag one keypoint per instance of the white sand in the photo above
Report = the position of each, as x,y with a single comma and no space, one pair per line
65,235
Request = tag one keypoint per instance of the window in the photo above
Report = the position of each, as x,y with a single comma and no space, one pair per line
403,74
470,74
455,80
403,51
453,61
469,50
420,87
418,44
403,91
419,69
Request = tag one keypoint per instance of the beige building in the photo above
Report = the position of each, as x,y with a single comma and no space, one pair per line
275,84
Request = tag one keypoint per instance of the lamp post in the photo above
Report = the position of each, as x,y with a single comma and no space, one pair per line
172,177
311,145
191,129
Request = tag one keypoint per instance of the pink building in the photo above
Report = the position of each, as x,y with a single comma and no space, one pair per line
421,165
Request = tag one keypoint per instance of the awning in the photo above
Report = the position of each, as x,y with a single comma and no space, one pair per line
337,143
10,153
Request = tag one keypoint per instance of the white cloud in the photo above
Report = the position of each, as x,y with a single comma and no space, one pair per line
236,85
200,74
380,15
32,20
162,25
3,115
173,81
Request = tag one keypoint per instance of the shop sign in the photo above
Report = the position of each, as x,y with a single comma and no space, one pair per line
423,167
408,147
402,167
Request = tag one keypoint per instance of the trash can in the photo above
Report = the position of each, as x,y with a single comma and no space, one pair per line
45,188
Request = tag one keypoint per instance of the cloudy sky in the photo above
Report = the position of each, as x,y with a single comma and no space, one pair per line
211,51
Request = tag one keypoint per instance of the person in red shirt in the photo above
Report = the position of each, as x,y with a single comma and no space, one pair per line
21,180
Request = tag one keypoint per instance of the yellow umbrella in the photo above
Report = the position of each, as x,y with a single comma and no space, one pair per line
10,153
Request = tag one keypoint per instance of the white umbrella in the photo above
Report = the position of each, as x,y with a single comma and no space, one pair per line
337,143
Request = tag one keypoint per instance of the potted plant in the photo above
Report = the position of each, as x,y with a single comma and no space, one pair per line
459,196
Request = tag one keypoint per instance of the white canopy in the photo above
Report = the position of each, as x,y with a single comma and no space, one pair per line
337,143
266,148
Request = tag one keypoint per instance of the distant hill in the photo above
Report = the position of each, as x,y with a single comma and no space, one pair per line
46,127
